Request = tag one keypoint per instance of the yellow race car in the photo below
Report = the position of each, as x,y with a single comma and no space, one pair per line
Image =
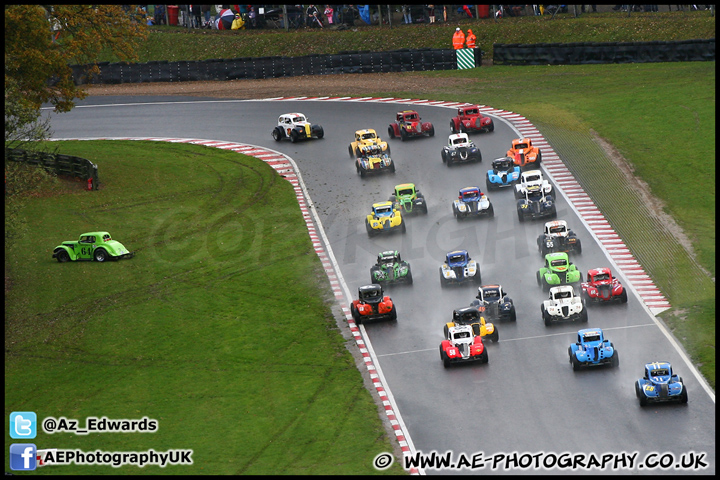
366,143
471,316
384,218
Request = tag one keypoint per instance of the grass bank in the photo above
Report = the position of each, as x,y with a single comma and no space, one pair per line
220,328
177,43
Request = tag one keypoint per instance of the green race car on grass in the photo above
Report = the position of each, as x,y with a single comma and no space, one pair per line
558,271
97,246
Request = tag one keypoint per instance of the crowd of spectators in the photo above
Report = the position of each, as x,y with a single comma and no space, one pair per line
340,16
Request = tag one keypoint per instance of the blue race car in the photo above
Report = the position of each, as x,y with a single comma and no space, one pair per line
592,349
660,384
472,202
459,268
504,173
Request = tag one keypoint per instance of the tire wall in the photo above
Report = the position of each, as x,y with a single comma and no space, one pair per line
405,60
610,52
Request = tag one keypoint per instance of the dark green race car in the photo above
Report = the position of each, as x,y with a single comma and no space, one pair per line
97,246
408,199
390,268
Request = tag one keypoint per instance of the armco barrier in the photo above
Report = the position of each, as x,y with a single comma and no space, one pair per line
610,52
404,60
58,164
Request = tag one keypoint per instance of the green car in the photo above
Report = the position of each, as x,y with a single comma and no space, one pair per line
408,199
98,246
390,268
557,271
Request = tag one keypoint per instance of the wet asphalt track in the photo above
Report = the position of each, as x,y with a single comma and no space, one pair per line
527,398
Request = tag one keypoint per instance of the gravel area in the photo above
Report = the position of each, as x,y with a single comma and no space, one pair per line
311,85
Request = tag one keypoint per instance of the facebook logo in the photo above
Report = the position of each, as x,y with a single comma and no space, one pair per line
23,425
23,456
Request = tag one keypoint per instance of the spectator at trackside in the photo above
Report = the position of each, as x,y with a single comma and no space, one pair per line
470,39
458,39
206,13
196,14
159,15
329,14
431,13
313,17
407,17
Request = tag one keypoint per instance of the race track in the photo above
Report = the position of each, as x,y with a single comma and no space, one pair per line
527,398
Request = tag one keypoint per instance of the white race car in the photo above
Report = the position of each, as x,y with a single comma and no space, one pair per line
296,126
460,149
530,178
563,305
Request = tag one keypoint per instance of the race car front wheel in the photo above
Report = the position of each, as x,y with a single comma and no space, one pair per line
100,255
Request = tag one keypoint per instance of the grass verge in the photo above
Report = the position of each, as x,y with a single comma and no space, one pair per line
218,328
178,43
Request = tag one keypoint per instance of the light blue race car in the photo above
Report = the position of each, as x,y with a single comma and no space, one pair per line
504,173
592,349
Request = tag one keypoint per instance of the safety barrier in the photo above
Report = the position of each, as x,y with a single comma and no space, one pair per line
405,60
58,164
466,58
609,52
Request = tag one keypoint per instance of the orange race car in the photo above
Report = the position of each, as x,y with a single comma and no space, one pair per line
524,155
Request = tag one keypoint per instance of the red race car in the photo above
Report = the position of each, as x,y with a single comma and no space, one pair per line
409,124
372,305
601,287
461,346
524,154
469,119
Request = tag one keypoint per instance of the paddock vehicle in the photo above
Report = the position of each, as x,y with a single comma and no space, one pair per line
602,287
462,346
459,268
471,316
558,270
592,349
495,303
557,237
563,306
530,178
384,218
460,149
469,119
296,126
407,198
366,142
524,154
372,164
409,124
372,304
472,202
97,246
390,269
504,173
535,204
660,384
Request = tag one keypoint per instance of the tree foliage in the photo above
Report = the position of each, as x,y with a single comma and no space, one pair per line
42,41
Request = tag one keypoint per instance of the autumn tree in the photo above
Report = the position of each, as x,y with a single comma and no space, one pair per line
42,41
